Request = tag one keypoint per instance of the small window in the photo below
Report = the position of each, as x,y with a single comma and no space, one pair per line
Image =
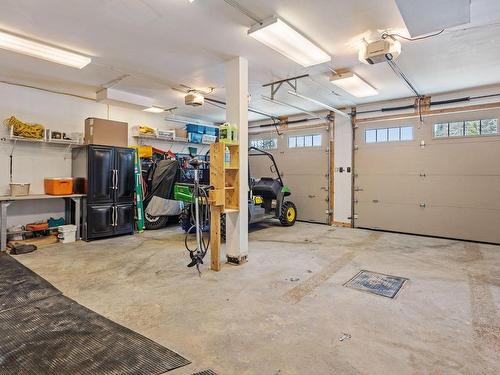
489,127
470,128
403,133
394,135
265,144
371,136
308,141
456,129
317,140
301,141
407,133
440,130
381,135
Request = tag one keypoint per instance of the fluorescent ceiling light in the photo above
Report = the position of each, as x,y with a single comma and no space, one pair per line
278,35
326,106
42,51
154,110
353,84
290,106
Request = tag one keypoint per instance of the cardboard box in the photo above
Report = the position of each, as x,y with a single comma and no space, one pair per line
106,132
181,133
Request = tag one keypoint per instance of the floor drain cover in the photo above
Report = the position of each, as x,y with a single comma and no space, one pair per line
377,283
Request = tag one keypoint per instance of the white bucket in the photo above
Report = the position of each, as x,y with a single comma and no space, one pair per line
67,233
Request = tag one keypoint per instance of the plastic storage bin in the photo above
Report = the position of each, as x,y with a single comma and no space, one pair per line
67,233
193,128
58,186
195,137
212,131
17,189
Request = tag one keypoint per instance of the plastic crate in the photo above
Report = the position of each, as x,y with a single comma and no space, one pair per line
212,131
193,128
195,137
183,193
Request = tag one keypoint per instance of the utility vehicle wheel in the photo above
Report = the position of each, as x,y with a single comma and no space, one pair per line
154,222
288,214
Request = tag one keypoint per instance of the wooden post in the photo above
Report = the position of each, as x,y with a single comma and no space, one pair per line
216,201
215,237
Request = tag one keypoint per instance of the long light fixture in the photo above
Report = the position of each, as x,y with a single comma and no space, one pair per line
154,110
42,51
326,106
283,38
266,98
353,84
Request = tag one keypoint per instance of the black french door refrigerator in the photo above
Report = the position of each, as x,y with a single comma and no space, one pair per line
106,175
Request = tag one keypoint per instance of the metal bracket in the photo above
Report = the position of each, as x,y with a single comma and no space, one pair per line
292,82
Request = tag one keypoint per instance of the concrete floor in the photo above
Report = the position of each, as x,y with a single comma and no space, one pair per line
253,319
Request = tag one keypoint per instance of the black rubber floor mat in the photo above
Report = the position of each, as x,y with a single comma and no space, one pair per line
58,336
377,283
206,372
19,285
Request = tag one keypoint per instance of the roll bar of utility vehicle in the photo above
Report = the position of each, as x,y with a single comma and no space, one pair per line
270,156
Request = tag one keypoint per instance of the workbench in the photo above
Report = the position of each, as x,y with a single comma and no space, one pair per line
6,200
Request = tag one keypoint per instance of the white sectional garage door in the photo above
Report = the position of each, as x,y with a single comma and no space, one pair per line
443,184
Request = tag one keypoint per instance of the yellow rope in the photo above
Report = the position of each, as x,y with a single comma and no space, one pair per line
23,129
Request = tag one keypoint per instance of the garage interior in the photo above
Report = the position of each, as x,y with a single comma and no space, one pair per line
250,187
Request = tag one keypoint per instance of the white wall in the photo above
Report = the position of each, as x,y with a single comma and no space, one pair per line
342,180
33,162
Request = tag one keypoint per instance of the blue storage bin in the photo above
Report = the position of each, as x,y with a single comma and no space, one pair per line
195,137
212,131
193,128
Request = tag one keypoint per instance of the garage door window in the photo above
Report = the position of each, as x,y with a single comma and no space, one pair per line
265,144
471,128
381,135
300,141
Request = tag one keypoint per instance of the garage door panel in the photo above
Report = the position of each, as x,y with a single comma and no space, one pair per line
309,192
385,159
449,157
458,191
387,188
434,221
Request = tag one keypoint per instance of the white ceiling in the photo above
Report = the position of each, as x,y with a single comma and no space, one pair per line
162,43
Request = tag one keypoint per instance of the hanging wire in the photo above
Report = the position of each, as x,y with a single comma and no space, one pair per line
388,35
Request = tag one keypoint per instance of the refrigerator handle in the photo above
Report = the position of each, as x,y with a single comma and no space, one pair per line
113,183
115,216
116,183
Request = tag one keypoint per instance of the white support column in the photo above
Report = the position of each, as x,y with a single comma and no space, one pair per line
237,114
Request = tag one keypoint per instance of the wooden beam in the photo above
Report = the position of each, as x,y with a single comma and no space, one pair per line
215,212
432,112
